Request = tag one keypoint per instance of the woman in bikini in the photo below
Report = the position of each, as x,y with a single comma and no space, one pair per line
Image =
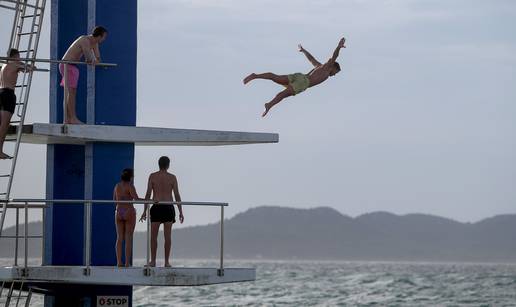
125,216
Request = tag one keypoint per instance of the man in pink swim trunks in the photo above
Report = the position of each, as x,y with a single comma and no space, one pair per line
87,46
299,82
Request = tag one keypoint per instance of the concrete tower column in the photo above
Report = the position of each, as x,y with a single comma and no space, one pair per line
104,97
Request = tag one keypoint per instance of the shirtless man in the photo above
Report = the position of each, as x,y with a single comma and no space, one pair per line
298,82
125,216
86,46
8,80
162,184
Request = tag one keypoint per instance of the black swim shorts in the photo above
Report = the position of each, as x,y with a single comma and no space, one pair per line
162,213
7,100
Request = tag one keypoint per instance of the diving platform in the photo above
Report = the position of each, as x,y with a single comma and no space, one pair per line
132,276
44,133
47,276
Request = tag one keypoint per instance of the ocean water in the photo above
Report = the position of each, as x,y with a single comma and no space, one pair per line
313,283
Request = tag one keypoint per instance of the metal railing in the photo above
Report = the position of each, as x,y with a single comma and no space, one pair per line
65,74
33,15
24,103
26,204
52,61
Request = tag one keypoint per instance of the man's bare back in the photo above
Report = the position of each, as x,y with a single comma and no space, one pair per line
163,184
86,46
319,74
8,79
9,74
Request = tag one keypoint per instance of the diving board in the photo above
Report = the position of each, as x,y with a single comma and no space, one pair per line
44,133
133,276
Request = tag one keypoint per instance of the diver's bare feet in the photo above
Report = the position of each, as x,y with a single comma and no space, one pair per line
167,265
268,106
151,264
249,78
4,156
76,121
73,121
119,265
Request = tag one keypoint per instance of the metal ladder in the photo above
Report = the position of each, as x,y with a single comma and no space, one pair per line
25,34
15,295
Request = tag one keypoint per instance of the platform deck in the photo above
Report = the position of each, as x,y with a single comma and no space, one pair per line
134,276
43,133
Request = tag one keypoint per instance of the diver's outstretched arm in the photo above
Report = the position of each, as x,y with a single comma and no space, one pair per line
337,50
309,56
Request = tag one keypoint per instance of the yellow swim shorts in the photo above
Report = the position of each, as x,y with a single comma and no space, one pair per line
299,82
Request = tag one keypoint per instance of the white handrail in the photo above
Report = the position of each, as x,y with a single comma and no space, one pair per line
104,201
57,61
34,203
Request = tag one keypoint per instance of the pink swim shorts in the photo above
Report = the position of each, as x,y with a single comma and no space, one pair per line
73,75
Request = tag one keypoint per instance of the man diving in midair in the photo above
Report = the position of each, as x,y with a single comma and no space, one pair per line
299,82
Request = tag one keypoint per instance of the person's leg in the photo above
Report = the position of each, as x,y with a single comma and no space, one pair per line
154,242
130,223
71,112
72,80
280,79
167,230
281,95
120,230
5,120
67,99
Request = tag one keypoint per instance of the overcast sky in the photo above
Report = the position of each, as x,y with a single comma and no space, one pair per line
421,118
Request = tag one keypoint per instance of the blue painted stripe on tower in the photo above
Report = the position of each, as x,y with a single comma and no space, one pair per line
116,88
66,163
105,96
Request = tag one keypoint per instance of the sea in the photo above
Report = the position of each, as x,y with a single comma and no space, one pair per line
343,283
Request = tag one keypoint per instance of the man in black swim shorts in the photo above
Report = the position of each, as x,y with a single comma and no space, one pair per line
161,185
8,79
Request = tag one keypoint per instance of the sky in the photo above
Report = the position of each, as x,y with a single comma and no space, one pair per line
421,118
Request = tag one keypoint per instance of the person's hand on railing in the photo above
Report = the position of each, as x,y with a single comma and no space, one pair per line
144,216
93,61
181,217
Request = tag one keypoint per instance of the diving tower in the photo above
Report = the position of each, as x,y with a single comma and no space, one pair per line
84,163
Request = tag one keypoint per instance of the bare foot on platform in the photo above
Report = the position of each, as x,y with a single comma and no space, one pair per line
4,156
267,108
167,265
73,121
151,264
120,265
249,78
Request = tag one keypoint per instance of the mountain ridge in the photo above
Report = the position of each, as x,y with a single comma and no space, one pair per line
275,232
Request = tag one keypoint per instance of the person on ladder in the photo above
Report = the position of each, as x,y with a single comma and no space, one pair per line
299,82
8,80
87,46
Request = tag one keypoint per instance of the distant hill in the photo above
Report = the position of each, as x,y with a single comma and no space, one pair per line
324,233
